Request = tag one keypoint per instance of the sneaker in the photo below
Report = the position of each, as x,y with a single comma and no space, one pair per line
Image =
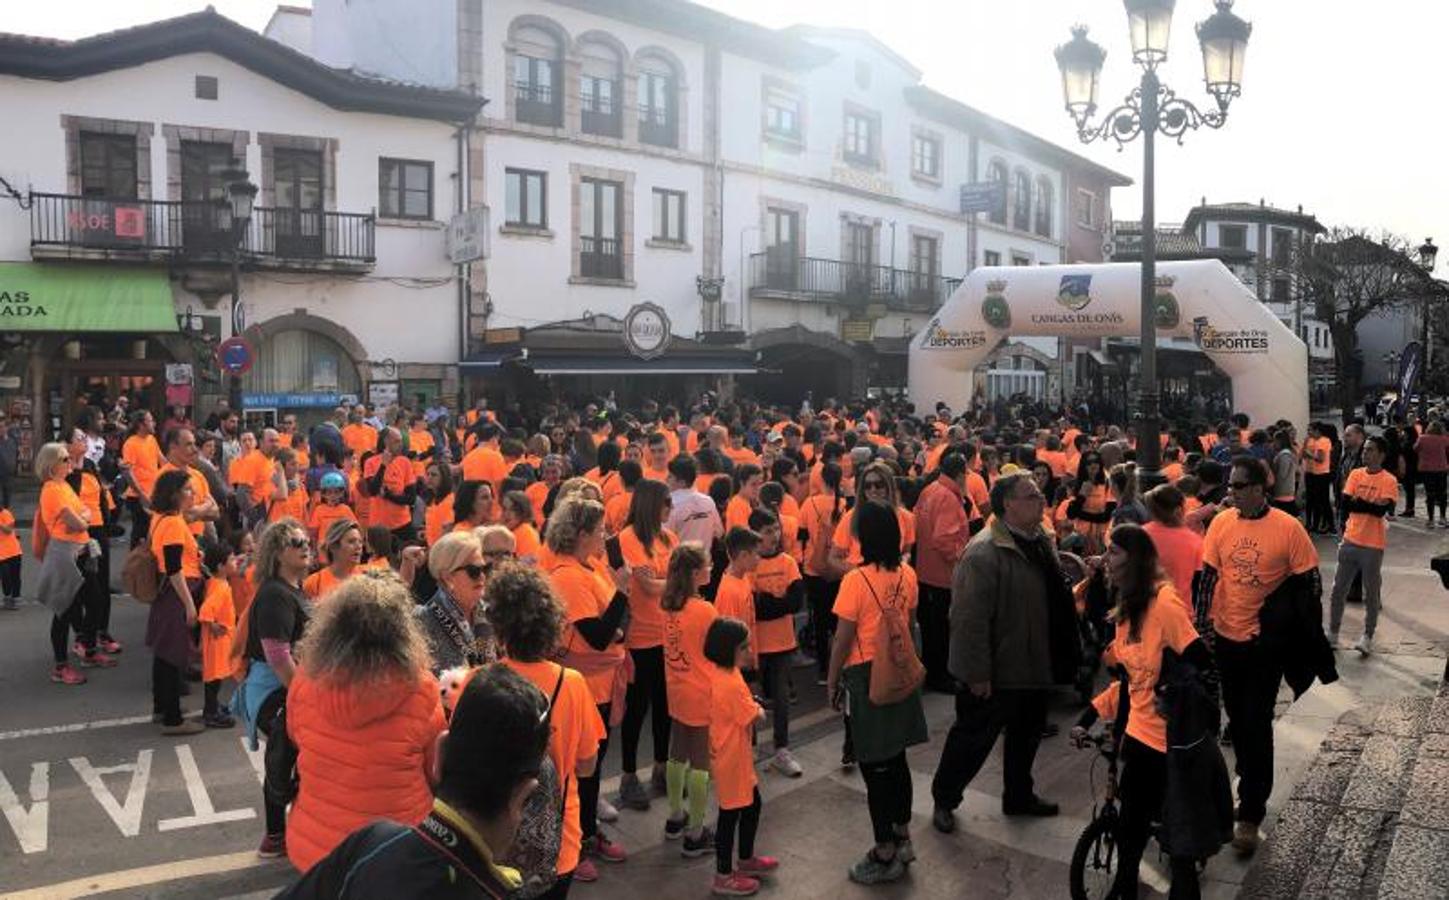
601,847
606,811
847,757
217,720
905,851
586,871
734,885
700,846
632,794
10,604
1245,838
757,866
187,727
659,780
785,763
1364,645
1333,639
272,847
870,870
65,673
98,660
108,643
674,827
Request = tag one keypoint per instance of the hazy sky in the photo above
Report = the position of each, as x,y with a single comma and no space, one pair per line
1339,113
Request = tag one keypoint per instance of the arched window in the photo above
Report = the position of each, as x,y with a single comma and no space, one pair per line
996,172
537,68
297,361
658,101
600,82
1044,206
1021,206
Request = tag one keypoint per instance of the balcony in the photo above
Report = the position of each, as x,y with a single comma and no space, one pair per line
600,258
658,126
537,103
856,285
600,115
70,227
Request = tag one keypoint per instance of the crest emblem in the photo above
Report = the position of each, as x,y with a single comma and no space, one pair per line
1165,312
1075,291
995,311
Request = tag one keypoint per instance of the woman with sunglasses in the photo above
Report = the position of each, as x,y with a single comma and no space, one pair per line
875,483
450,618
270,633
1090,509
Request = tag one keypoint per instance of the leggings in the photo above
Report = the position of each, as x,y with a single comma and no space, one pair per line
646,690
10,576
821,594
166,691
1143,786
748,820
888,794
140,521
276,814
589,787
101,623
775,682
60,628
1319,515
1434,492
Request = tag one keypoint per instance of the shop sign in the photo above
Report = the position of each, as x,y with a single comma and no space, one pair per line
178,373
386,370
983,197
857,331
467,238
235,356
938,338
382,394
103,221
290,401
647,330
178,394
1215,340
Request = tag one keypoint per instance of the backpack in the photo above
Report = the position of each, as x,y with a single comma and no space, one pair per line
540,831
896,671
139,574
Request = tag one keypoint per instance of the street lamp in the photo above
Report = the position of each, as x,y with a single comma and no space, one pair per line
1149,109
241,194
1428,255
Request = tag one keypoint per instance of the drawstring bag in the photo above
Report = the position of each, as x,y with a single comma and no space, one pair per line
896,671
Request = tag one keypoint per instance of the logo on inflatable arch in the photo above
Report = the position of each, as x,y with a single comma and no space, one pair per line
994,309
1214,340
1075,292
938,338
1165,312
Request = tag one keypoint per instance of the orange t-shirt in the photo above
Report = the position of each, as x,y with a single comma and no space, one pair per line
396,479
585,593
436,519
483,463
169,531
816,512
1056,459
9,543
733,714
1172,471
1166,623
324,514
774,576
359,438
646,617
420,443
54,497
851,544
863,592
320,583
294,505
735,597
216,608
537,494
144,456
1252,557
575,731
526,542
979,495
200,493
1318,445
616,512
254,471
1375,487
685,677
1179,551
737,512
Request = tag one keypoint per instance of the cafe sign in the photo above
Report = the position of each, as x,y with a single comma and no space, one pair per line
647,331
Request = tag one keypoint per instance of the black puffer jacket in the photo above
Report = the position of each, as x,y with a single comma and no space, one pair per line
1197,808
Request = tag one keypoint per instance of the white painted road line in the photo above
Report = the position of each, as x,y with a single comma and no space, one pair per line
129,879
72,728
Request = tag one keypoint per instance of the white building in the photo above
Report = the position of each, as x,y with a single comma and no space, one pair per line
117,228
789,199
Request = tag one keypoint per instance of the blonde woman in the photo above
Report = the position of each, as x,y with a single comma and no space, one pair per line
342,547
64,518
451,619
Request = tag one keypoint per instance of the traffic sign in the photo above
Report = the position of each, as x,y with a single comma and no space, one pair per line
987,197
235,356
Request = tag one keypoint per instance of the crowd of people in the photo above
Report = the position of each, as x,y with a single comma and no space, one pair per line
379,592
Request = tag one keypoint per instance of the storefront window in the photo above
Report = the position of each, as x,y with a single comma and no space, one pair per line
303,363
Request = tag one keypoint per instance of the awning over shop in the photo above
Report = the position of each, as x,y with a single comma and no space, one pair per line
621,365
76,298
487,360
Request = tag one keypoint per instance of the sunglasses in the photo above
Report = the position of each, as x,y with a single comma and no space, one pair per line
474,570
298,543
873,483
1240,485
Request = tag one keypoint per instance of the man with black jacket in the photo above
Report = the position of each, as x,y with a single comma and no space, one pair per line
1251,551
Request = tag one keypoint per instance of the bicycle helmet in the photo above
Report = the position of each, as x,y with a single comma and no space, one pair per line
334,480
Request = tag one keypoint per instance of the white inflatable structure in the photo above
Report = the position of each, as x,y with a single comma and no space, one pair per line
1197,299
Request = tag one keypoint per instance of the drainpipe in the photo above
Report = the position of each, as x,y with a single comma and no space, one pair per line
461,271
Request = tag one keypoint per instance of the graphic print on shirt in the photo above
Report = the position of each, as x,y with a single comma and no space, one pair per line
674,656
1243,562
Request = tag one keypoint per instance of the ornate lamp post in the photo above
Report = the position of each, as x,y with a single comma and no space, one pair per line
1149,109
241,194
1428,255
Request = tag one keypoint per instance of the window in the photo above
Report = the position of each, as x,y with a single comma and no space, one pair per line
601,212
405,189
991,258
925,156
1044,206
536,78
1018,259
860,140
782,249
996,172
669,216
599,79
782,114
527,198
206,87
925,265
860,243
1021,208
297,189
658,113
1233,237
1086,208
1281,290
1282,247
108,165
206,219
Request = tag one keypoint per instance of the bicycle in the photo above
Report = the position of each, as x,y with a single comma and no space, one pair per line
1093,869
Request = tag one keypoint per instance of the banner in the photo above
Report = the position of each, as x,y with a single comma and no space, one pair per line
1410,363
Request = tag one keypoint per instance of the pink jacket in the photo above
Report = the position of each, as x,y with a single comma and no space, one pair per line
942,531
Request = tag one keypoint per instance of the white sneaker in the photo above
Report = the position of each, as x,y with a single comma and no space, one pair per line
1333,640
607,812
1365,645
785,763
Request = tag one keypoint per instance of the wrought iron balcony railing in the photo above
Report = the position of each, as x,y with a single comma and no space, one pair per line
850,283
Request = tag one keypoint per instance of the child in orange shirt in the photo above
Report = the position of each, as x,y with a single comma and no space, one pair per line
10,556
687,617
217,618
735,595
733,715
333,488
779,595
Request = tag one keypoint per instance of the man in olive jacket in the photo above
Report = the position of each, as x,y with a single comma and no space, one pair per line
1013,636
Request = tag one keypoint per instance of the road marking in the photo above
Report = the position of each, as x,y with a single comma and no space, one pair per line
31,826
127,879
69,729
206,814
128,816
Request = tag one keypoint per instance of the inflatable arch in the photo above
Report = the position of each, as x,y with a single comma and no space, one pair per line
1197,299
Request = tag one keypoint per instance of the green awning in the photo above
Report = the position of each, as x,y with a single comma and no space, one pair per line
69,298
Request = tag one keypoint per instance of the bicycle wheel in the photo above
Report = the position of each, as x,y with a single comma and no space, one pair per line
1094,859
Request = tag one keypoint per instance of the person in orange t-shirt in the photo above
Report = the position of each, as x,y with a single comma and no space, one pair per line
687,617
10,559
517,515
779,595
747,481
141,461
877,483
218,627
733,715
1150,619
1369,493
393,487
333,488
735,595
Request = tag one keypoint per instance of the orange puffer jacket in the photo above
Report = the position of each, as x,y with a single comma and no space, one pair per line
363,755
